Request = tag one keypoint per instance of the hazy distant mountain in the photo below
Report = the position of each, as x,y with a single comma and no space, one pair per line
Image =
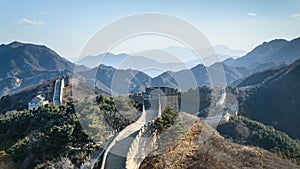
141,62
119,60
222,51
276,96
225,50
173,58
23,65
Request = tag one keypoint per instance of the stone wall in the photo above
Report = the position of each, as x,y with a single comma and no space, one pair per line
58,91
143,144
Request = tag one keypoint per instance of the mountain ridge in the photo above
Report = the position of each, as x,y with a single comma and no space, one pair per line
273,51
275,94
25,64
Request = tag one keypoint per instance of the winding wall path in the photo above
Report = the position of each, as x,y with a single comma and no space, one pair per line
116,154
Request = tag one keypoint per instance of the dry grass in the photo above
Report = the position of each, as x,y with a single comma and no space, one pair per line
215,152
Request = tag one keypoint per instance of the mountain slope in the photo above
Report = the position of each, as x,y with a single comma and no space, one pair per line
287,54
185,79
17,57
248,132
23,65
121,81
269,54
258,54
19,100
201,76
216,152
276,98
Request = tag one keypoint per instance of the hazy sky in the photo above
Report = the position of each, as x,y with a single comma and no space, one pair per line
66,26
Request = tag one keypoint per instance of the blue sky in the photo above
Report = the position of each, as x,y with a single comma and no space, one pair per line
66,26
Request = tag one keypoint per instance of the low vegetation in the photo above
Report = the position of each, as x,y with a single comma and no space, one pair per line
119,112
248,132
166,120
59,136
170,128
29,138
196,100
